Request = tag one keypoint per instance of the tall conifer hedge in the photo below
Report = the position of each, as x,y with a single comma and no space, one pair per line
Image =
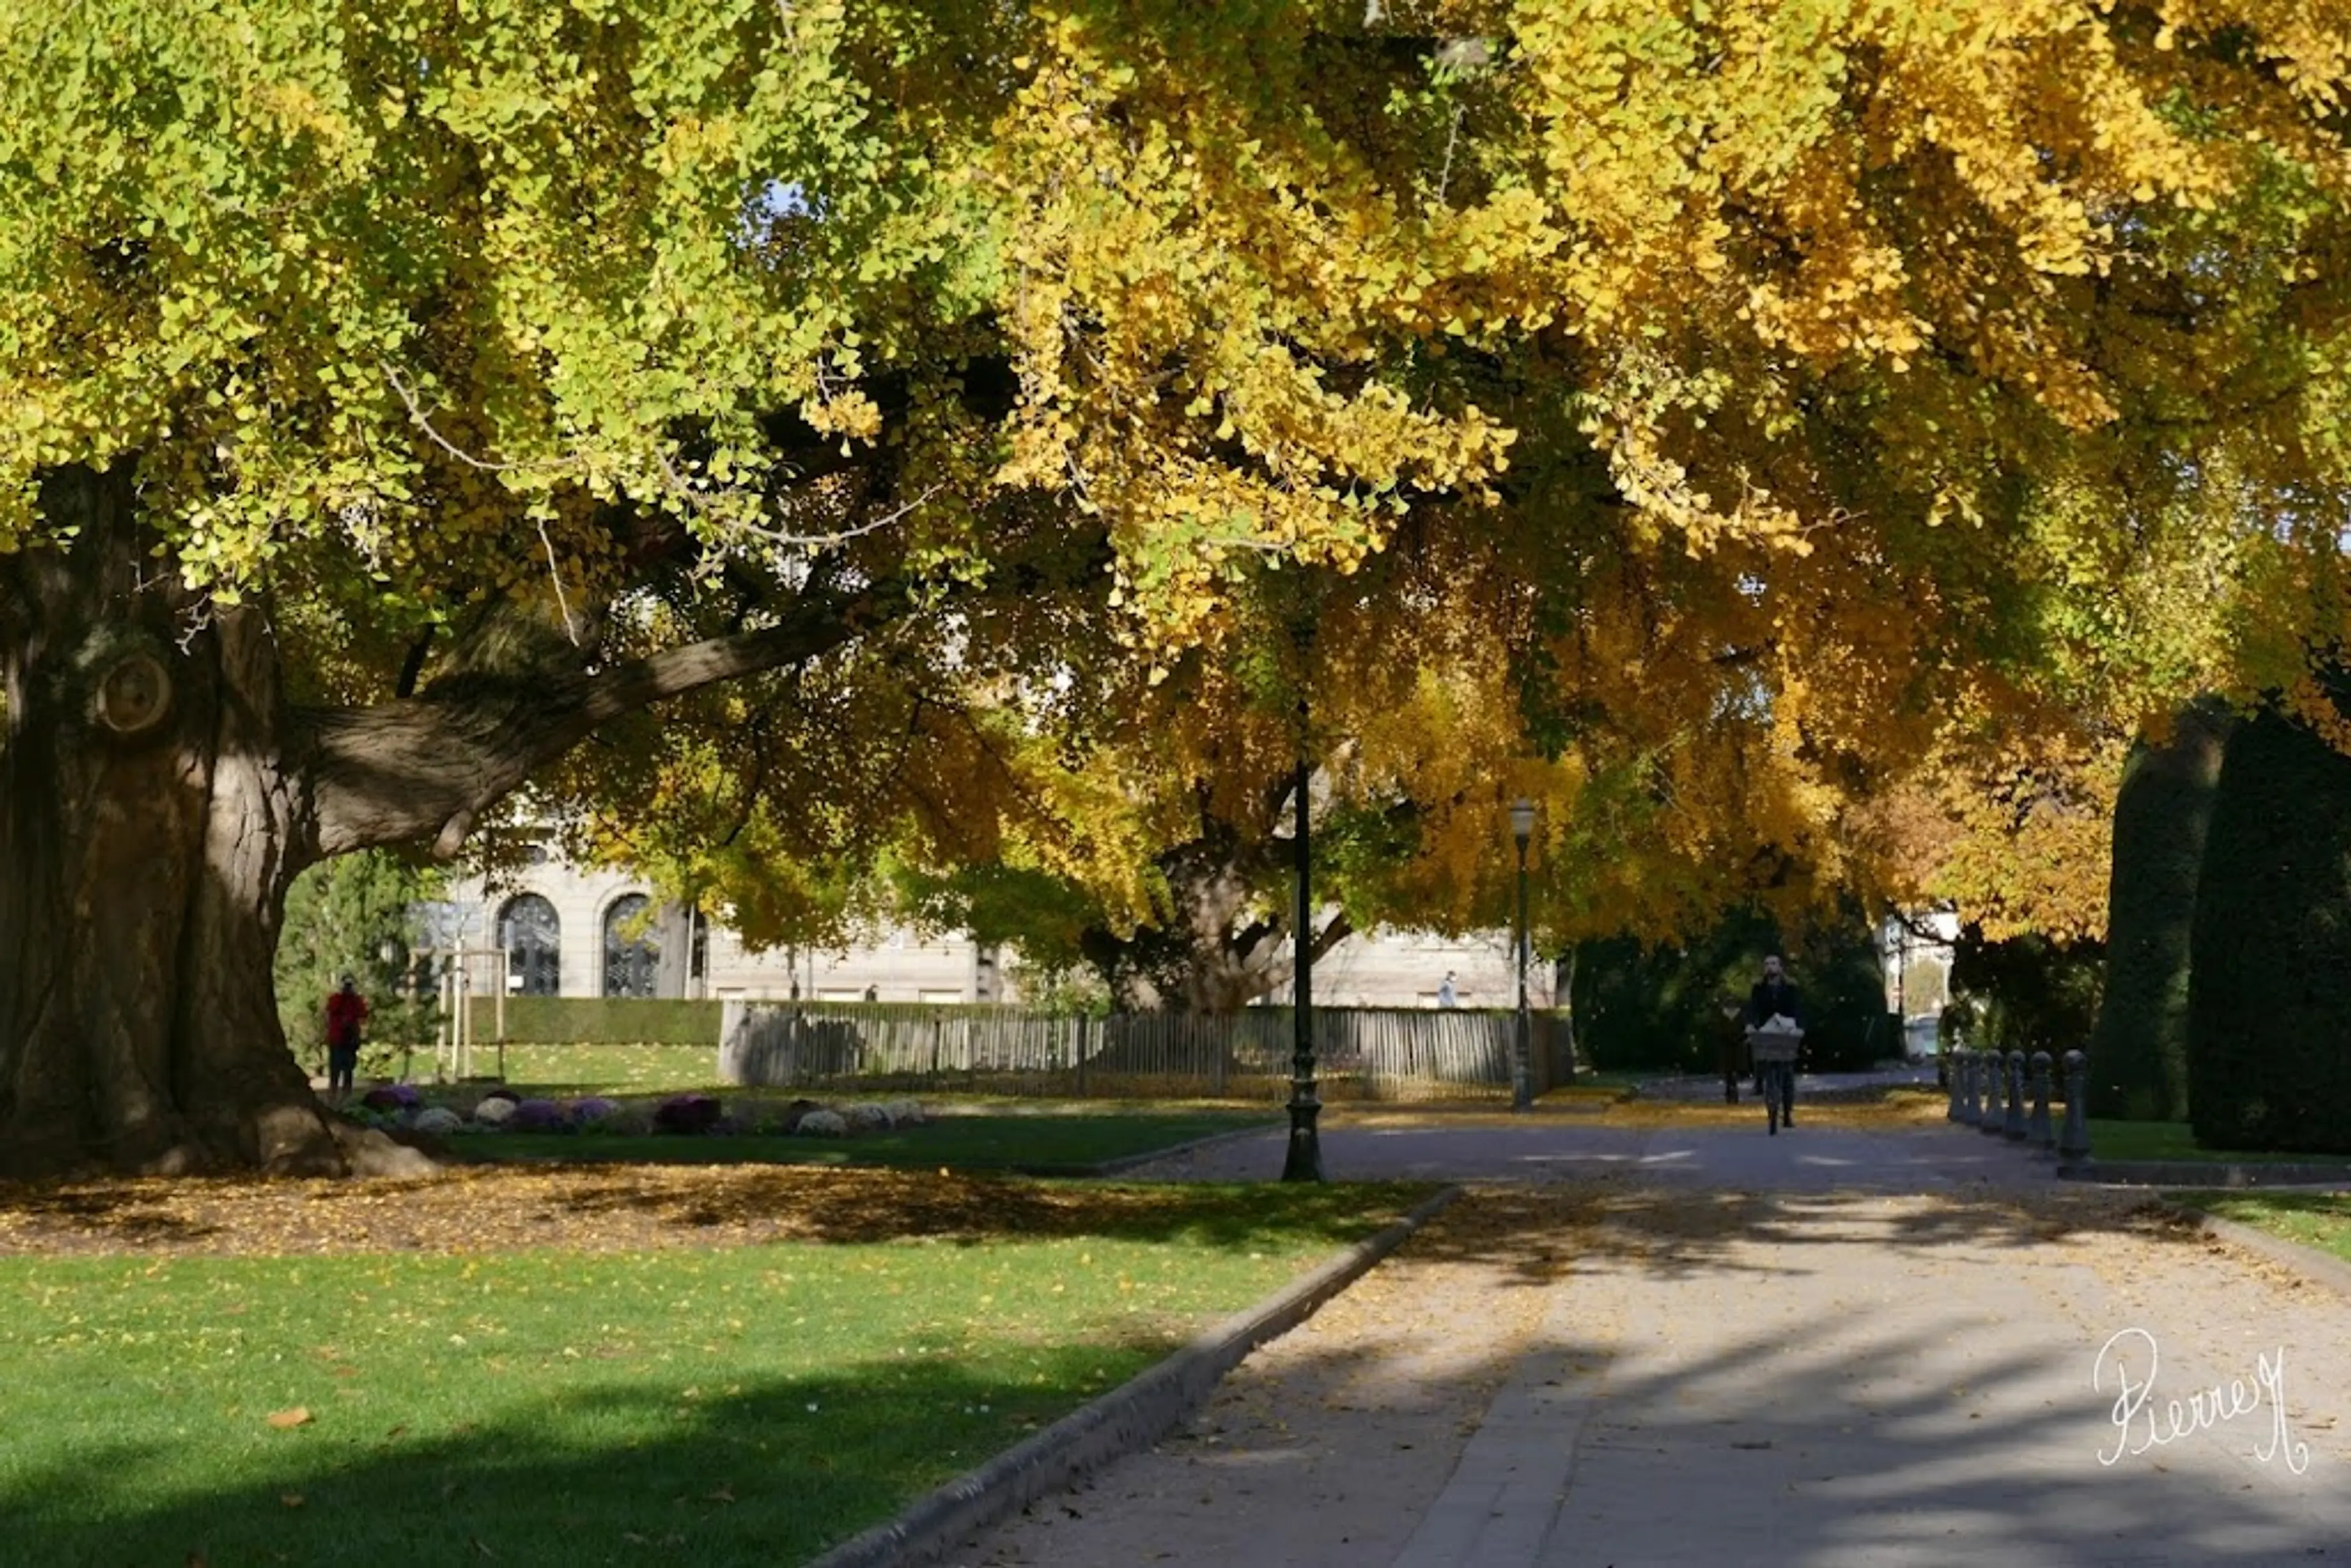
2269,1001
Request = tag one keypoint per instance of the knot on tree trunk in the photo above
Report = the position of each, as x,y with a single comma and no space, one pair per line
133,696
126,685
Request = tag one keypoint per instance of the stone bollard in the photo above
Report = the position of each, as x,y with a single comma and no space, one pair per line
2011,1126
2073,1143
1995,1113
1970,1100
2037,1129
1955,1078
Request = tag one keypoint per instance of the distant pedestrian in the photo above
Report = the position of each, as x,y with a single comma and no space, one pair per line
347,1012
1447,996
873,993
1734,1058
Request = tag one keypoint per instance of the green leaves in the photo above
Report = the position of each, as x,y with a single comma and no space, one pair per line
1886,310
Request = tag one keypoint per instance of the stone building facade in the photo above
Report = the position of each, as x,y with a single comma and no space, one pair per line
575,932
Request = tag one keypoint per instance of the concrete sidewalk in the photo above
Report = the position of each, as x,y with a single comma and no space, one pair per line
1859,1381
1830,1349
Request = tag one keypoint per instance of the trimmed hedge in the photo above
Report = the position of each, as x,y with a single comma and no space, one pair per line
599,1020
2138,1047
2269,1019
639,1020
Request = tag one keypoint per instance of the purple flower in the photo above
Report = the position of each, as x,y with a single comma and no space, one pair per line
595,1108
538,1116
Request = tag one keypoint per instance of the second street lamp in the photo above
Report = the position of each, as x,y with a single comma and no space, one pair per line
1304,1160
1523,829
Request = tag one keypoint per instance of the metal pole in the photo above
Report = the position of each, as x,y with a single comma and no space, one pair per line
1304,1161
1902,986
444,1021
1523,1089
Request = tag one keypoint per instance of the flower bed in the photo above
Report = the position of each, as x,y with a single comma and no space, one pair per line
401,1106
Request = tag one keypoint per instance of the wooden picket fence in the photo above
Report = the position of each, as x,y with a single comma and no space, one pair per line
1376,1053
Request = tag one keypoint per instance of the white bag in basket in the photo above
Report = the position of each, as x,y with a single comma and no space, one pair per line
1776,1039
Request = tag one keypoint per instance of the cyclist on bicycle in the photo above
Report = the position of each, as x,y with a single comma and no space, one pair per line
1775,996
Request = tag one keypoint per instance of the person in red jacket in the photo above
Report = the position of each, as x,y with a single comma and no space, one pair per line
347,1010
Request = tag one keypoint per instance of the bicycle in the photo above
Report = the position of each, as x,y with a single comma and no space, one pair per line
1775,1066
1779,1094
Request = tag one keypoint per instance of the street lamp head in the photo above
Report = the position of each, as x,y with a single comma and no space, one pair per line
389,952
1523,820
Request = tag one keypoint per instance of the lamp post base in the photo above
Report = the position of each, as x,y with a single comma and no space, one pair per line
1304,1161
1522,1069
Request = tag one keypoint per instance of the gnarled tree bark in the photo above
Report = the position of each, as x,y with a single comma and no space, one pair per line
1217,949
159,795
147,837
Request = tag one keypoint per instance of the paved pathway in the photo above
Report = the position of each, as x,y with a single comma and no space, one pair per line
1809,1157
1708,1346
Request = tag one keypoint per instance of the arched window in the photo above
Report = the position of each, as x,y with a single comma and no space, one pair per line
631,948
532,937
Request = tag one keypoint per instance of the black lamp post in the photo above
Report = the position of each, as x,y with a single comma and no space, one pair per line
1304,1161
1523,829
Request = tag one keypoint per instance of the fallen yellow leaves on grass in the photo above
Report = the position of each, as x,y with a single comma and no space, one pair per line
602,1208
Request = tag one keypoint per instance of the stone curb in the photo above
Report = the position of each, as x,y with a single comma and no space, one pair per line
2205,1173
2321,1267
1128,1418
1148,1156
2209,1173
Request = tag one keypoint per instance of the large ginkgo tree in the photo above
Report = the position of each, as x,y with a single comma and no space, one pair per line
393,395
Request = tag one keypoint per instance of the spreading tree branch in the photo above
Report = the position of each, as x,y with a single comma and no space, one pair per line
427,765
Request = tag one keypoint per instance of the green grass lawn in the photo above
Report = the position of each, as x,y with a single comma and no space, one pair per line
2322,1221
573,1408
2174,1141
574,1071
981,1141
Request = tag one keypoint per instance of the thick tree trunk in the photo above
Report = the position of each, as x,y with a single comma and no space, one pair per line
149,830
157,798
1211,954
